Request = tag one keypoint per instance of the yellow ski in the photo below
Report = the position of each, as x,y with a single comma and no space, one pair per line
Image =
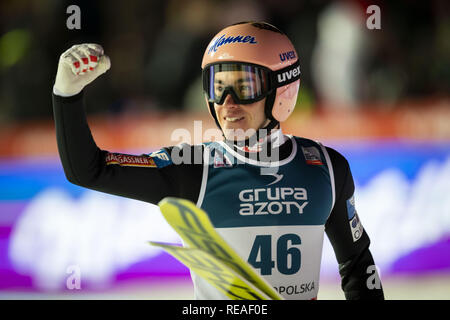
215,272
197,231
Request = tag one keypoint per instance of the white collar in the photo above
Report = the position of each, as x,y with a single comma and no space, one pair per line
276,138
279,140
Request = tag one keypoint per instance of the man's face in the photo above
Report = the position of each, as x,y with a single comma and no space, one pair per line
238,121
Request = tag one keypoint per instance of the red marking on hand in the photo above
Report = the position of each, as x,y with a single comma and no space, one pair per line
84,70
93,58
85,60
90,68
76,64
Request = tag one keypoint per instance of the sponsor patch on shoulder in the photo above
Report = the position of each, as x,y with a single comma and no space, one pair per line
161,158
312,155
356,227
129,160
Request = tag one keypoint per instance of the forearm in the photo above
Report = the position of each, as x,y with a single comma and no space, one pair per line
360,279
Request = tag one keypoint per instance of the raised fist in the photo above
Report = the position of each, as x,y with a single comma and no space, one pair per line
79,66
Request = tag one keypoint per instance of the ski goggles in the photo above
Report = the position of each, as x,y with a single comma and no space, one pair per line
246,83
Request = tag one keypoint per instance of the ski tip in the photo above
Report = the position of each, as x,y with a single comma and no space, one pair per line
165,201
173,200
164,244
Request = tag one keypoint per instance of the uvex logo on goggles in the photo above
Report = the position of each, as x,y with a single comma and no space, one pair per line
288,75
222,41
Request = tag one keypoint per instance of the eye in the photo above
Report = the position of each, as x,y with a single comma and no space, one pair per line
244,88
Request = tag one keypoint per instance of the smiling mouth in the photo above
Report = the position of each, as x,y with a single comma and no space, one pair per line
233,119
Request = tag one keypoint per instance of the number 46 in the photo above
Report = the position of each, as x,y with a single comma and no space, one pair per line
263,246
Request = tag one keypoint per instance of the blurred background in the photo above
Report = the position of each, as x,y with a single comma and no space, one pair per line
379,96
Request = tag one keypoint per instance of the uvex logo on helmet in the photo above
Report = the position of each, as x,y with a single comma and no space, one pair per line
230,39
287,56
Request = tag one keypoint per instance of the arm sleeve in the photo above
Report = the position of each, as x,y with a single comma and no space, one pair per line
136,177
348,239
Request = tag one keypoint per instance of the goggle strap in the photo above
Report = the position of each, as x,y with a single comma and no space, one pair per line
286,75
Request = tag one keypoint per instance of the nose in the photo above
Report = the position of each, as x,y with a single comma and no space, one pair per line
229,101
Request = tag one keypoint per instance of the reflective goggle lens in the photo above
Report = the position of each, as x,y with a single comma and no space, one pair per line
246,83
